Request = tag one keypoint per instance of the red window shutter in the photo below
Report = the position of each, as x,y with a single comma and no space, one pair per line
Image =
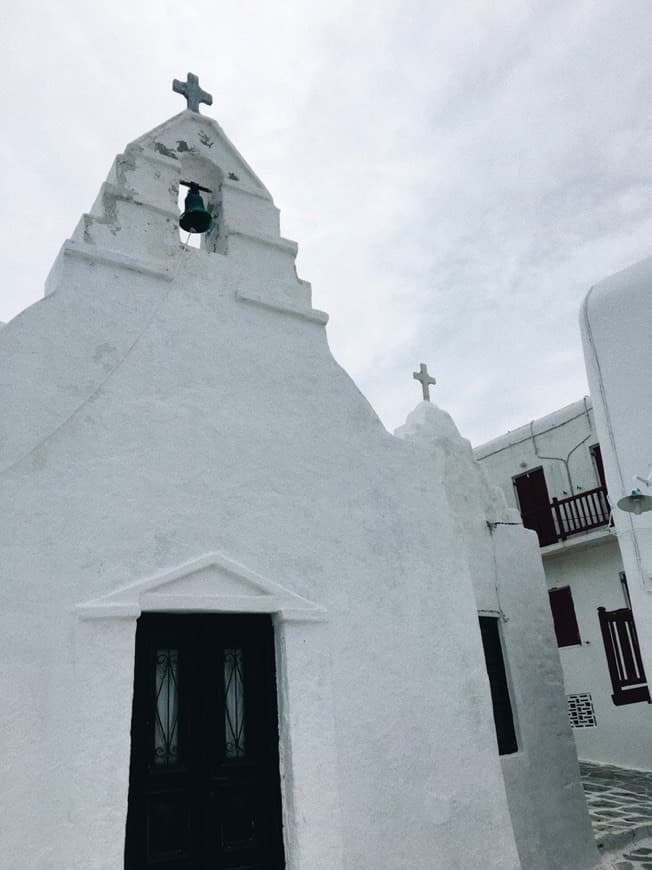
563,617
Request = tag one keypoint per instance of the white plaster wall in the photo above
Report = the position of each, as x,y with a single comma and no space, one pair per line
154,411
615,323
544,792
566,434
623,735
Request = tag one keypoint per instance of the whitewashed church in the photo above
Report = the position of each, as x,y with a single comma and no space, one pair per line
240,619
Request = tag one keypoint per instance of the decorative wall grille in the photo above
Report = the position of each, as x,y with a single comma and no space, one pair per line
580,711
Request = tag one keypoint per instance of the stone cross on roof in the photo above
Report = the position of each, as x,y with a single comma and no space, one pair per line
425,380
192,92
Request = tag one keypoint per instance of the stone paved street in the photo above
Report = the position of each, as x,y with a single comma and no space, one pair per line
637,857
620,806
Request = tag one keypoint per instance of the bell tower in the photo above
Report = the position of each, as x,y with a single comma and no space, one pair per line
134,222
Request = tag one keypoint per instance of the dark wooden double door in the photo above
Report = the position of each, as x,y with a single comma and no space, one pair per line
204,787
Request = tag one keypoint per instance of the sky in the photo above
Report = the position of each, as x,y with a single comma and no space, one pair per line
457,175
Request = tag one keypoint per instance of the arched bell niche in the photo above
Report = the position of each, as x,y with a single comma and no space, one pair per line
206,174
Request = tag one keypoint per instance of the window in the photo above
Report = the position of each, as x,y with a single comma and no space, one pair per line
596,456
623,582
500,700
563,617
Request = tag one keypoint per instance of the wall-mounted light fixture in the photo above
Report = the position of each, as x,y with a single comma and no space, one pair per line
636,503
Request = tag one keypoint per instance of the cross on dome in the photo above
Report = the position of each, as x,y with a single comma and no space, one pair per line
192,92
425,380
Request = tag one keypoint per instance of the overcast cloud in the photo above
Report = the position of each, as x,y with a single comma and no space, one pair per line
456,174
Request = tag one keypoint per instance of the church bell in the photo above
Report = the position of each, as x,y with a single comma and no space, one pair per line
195,218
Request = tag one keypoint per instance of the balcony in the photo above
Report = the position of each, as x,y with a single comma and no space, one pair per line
569,516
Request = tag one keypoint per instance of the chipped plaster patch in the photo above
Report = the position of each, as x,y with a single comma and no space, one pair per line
123,165
102,351
184,148
164,150
109,217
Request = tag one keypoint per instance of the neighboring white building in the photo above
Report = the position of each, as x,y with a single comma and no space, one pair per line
240,618
552,470
615,320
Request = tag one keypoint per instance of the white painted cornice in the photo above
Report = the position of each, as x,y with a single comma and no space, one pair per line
212,583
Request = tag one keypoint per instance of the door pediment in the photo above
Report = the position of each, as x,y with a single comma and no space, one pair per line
211,583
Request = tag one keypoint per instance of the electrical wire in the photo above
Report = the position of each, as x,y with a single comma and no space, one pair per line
528,436
566,461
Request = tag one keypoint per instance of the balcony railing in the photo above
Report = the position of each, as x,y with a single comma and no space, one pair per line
569,516
581,512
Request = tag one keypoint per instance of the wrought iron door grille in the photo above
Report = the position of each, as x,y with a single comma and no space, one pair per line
166,710
234,704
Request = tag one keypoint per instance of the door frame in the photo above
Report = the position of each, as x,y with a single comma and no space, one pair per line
213,583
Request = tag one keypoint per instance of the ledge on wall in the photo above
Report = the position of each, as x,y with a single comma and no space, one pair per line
582,541
211,583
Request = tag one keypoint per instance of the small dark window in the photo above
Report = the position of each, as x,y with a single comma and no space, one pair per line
625,588
493,654
563,616
596,456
